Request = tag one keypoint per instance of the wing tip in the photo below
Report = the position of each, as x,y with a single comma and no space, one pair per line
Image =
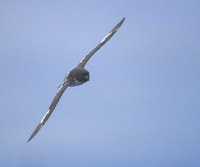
35,131
29,140
121,22
115,29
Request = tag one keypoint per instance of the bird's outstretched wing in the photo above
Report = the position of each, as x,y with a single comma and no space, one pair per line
50,110
110,34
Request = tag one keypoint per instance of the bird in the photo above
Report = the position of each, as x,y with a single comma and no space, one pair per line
77,76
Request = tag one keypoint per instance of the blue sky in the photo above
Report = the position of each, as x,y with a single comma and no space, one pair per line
141,105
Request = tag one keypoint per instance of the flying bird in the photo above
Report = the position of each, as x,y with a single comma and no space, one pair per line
75,77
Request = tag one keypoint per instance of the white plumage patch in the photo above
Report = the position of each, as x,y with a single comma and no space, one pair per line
75,83
44,117
106,37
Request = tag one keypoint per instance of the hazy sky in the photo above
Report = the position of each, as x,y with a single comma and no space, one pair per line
141,107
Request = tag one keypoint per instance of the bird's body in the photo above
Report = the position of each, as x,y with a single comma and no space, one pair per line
75,77
78,76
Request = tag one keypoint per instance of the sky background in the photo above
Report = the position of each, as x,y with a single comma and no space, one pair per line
141,106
